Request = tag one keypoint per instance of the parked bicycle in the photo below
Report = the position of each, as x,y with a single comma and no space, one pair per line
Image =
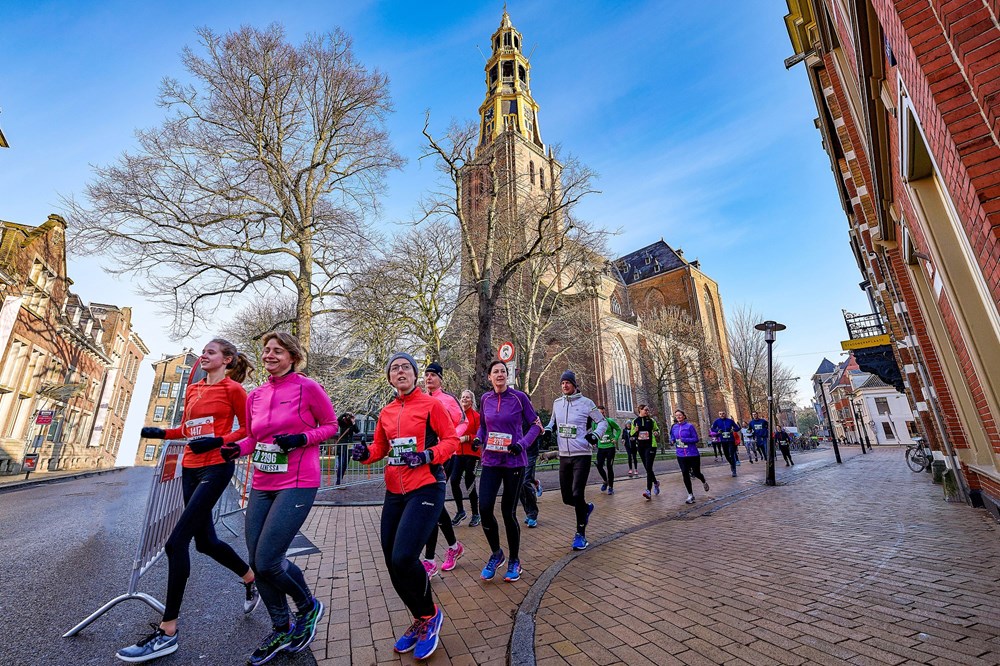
918,456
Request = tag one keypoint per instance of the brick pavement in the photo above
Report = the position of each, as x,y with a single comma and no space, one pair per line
862,563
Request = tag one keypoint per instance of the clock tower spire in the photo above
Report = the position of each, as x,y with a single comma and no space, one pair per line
508,104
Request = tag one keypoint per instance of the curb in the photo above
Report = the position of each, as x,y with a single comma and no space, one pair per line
30,483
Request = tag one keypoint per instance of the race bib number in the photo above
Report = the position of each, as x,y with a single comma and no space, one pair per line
269,458
679,444
758,427
726,435
203,427
401,445
499,441
643,436
567,431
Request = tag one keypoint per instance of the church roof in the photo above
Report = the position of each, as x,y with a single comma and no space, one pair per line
825,368
648,261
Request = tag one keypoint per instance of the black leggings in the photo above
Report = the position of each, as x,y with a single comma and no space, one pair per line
732,454
490,481
647,455
573,474
716,449
786,454
443,522
407,522
606,458
202,487
690,466
465,467
633,455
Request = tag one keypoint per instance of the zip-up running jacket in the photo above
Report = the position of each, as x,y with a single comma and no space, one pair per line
289,405
759,429
644,424
572,418
454,409
224,402
685,439
611,435
412,422
727,429
509,415
465,448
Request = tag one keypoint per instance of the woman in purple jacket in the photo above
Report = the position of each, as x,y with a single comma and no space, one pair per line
507,427
685,440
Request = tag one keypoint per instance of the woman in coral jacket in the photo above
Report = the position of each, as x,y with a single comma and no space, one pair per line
466,459
287,419
417,436
210,408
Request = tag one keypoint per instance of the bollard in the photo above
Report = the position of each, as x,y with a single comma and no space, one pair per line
938,468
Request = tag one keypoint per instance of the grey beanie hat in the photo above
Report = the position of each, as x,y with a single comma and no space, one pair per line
396,357
569,376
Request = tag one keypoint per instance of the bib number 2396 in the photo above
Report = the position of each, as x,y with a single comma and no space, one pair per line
270,458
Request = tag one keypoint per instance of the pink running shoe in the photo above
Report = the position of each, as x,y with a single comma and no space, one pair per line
454,552
431,567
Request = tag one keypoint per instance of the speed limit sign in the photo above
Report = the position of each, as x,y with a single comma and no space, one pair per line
506,352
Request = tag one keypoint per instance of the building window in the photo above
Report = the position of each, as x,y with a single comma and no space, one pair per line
620,379
158,413
531,171
616,306
882,405
149,451
911,428
541,179
887,430
164,389
175,389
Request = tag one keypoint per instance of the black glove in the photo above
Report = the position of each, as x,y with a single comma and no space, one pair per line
417,458
288,442
230,451
476,444
204,444
515,448
360,452
153,433
592,438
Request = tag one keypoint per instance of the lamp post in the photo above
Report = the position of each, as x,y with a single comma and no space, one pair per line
829,423
770,329
861,427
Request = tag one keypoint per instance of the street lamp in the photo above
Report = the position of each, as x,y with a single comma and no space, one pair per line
829,421
861,427
770,329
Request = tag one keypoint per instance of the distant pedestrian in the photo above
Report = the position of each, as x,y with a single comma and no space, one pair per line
347,429
761,433
782,439
644,431
747,438
684,437
713,437
726,429
631,450
606,450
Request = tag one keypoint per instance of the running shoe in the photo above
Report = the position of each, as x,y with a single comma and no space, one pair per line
409,639
645,493
305,627
590,510
431,567
734,472
253,597
454,552
580,542
531,522
538,488
490,570
737,462
459,517
604,487
156,644
277,641
476,519
705,483
513,571
427,638
689,500
656,487
611,491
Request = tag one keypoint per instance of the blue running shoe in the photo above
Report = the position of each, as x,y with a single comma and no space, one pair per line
429,631
611,491
538,488
604,487
590,510
409,639
490,570
156,644
277,641
580,542
513,571
305,627
656,487
531,522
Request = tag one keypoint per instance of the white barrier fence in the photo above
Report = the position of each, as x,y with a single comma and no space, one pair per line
163,510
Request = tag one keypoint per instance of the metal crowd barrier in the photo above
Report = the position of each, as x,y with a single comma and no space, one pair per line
163,510
334,458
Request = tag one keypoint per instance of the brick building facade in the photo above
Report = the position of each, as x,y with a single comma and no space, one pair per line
62,359
910,116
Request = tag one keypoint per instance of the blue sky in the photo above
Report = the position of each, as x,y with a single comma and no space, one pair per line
699,134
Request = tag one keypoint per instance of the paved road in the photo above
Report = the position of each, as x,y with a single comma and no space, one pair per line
67,548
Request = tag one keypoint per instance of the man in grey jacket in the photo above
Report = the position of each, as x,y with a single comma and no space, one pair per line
577,425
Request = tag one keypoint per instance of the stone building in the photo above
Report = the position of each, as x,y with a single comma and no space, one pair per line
171,376
908,113
62,361
619,357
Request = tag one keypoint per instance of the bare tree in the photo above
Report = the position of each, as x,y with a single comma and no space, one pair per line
498,235
749,357
260,177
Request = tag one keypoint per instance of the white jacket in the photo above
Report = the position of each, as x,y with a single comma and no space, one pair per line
573,416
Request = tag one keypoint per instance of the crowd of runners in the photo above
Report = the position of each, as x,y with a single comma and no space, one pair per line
429,439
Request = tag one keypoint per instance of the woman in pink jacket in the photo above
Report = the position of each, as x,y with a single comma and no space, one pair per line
287,418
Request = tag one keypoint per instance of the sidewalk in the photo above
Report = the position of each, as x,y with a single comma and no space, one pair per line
17,481
861,563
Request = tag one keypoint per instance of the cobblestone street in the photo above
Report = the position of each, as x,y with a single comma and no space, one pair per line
862,563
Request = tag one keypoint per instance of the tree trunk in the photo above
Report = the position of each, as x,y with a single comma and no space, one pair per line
304,297
484,339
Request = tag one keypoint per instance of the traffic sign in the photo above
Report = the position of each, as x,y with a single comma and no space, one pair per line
44,416
506,352
30,462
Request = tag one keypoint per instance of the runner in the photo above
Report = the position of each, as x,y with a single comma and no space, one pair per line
644,430
531,489
781,437
413,431
466,461
746,437
726,429
761,433
210,408
578,426
432,380
606,450
508,426
346,430
288,417
685,438
716,444
631,450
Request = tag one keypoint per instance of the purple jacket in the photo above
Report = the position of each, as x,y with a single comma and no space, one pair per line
508,413
685,439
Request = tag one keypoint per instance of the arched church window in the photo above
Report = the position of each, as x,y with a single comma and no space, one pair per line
506,39
541,178
616,306
531,171
621,383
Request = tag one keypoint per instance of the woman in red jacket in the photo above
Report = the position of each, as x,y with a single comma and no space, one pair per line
210,408
465,463
417,435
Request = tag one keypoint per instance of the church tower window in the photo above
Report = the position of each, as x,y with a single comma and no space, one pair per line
531,171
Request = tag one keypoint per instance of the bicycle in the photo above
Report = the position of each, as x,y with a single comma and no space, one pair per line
918,456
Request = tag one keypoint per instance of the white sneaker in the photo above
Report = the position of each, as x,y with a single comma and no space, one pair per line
689,500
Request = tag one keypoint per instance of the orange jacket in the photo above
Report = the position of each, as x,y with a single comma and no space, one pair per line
225,402
465,448
417,422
